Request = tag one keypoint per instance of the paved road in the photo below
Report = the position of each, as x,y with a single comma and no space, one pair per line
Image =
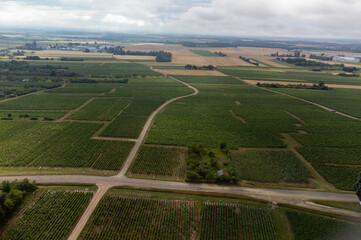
102,189
295,197
147,126
278,195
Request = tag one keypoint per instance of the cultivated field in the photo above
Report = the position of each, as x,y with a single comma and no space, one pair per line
51,216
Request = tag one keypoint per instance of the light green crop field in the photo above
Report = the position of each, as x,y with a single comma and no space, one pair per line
204,53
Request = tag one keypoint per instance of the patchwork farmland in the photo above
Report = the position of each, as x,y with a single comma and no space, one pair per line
247,150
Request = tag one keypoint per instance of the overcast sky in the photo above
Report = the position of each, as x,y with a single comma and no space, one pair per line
306,18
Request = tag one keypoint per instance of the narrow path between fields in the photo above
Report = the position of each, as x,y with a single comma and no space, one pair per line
66,115
147,126
102,189
313,103
304,100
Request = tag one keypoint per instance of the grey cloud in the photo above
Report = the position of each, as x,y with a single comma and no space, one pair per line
237,17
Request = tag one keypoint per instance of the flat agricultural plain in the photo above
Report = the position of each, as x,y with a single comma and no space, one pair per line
132,117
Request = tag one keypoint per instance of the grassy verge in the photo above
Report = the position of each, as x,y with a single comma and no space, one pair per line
23,171
353,206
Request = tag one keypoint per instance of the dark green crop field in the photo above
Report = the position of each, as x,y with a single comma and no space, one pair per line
343,100
292,76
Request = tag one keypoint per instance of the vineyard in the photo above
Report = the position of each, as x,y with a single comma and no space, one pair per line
52,216
340,166
208,79
125,126
309,226
290,75
59,145
268,166
159,160
344,100
45,101
85,88
103,109
205,118
120,217
236,221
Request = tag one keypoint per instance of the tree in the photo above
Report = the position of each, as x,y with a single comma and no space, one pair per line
223,146
192,175
358,188
188,66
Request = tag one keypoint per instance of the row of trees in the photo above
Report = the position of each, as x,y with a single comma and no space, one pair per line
322,57
194,67
12,195
319,86
161,56
202,166
248,60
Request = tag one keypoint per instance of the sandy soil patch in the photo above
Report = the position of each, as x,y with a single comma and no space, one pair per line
237,117
190,72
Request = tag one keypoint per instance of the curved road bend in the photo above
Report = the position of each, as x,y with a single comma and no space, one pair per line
147,126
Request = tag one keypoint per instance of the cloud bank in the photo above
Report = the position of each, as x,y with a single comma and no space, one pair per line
307,18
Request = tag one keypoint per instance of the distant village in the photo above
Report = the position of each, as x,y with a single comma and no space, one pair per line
87,47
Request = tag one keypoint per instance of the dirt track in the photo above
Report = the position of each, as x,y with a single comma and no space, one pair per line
102,189
148,125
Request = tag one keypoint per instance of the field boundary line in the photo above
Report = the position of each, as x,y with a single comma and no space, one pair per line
314,103
148,124
66,115
306,101
292,144
101,129
115,139
295,117
102,189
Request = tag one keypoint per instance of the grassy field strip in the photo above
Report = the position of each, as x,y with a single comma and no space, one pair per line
102,189
66,115
148,125
315,206
313,103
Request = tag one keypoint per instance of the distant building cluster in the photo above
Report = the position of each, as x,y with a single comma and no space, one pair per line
79,47
346,58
